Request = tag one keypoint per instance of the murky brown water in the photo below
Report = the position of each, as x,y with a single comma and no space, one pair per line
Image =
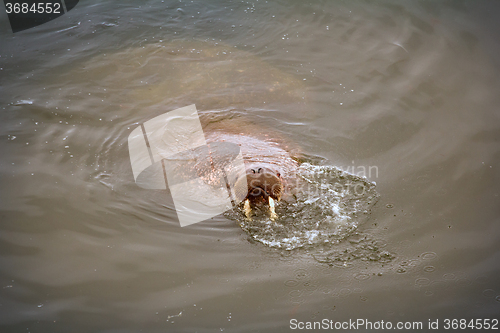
403,93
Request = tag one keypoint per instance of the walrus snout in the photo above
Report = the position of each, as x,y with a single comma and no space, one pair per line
264,183
259,185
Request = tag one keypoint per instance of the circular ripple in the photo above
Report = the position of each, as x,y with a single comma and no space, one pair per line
324,290
345,292
449,276
422,281
429,269
413,262
428,255
291,283
361,276
489,293
295,293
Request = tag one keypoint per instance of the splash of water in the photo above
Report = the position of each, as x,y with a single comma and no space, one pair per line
327,205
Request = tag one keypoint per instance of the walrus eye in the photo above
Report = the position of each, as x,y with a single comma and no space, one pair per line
278,174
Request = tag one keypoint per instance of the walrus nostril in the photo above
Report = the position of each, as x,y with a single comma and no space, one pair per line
259,170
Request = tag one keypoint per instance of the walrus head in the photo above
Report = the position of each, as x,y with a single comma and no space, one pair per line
263,183
263,186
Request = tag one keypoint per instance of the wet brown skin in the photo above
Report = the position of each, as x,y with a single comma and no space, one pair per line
264,187
263,183
269,165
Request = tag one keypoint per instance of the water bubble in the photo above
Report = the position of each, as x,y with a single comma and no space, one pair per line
429,269
310,286
429,293
389,206
300,274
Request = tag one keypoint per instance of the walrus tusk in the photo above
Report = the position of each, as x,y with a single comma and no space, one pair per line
248,210
273,216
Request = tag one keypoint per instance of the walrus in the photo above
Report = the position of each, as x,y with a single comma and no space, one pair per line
270,159
263,186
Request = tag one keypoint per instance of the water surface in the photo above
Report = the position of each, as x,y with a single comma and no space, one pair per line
402,94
